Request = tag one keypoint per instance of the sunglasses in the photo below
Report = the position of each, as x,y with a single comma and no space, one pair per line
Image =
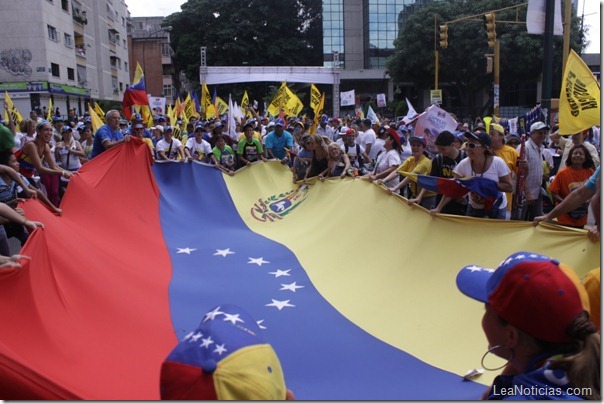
473,145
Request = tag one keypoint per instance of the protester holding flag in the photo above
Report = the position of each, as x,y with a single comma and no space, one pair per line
387,162
199,149
109,135
319,161
279,143
482,163
169,148
35,156
249,149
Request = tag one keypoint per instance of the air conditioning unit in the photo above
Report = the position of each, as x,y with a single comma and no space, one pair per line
116,90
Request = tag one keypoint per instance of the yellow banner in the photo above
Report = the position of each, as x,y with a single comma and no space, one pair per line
318,113
12,110
96,121
579,97
245,104
293,105
223,107
99,111
206,103
277,103
49,113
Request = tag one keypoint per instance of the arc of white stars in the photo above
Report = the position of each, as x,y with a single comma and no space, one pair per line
195,337
186,250
224,253
211,315
258,261
279,273
233,318
259,322
291,286
280,304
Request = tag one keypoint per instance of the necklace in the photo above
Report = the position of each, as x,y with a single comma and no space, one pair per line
484,165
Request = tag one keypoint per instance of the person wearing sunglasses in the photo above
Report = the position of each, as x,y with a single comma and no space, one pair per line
482,162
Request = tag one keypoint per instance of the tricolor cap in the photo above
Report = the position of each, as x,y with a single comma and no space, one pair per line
532,292
419,139
279,122
225,358
66,128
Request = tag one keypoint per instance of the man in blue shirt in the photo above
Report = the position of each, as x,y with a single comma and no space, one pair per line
108,135
279,142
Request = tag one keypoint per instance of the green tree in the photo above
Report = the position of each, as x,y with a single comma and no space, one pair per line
247,32
462,64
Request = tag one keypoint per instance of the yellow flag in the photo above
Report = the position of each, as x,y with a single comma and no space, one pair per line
147,115
318,113
245,104
179,110
12,110
189,106
206,102
96,121
579,97
277,103
170,115
99,111
138,73
49,113
487,121
315,98
223,107
293,105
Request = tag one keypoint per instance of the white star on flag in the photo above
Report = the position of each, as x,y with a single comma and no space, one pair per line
258,261
206,342
474,268
189,335
196,337
224,253
211,315
507,261
533,256
519,257
233,318
185,250
280,304
291,286
259,322
220,349
280,273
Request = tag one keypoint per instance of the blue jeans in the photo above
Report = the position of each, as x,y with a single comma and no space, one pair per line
494,213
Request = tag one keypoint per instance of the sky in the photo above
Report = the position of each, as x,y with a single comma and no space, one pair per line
590,9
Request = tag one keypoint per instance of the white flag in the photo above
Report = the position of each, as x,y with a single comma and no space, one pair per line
513,122
371,115
381,100
411,114
231,121
347,98
535,17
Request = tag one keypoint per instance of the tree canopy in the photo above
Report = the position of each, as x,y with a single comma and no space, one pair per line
462,65
247,32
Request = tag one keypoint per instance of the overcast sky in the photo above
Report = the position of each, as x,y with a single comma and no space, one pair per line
591,9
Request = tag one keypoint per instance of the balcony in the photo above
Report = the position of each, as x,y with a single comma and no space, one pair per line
80,51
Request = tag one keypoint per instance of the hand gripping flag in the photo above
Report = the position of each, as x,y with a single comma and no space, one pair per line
458,187
136,94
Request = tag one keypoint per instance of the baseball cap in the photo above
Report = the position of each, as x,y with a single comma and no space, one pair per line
498,128
160,128
482,137
279,122
227,358
123,122
532,292
57,118
136,117
66,128
538,126
270,124
139,126
87,119
167,128
396,136
160,118
420,139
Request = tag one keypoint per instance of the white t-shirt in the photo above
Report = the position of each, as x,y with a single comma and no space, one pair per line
164,146
199,151
375,149
386,160
497,169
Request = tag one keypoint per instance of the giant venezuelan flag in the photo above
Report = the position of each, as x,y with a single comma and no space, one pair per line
355,289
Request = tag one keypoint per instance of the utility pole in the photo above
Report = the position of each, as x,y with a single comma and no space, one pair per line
548,57
493,43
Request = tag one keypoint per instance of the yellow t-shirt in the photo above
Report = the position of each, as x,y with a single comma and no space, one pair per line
510,156
423,166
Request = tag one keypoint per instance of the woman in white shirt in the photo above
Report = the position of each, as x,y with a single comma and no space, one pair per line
481,162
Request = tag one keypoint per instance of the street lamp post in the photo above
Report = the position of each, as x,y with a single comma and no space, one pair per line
162,29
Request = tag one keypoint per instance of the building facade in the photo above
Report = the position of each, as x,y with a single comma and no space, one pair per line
67,51
150,47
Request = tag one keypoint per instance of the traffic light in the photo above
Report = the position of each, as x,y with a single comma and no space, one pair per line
443,36
490,24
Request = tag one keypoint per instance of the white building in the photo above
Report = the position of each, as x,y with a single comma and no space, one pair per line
70,51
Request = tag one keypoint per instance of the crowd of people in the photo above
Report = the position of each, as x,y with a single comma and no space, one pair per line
38,158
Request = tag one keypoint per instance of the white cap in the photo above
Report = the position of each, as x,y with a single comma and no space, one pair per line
161,128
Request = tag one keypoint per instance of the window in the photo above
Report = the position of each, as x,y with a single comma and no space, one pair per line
52,33
125,45
54,69
70,74
68,41
121,86
65,5
126,66
165,49
167,90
